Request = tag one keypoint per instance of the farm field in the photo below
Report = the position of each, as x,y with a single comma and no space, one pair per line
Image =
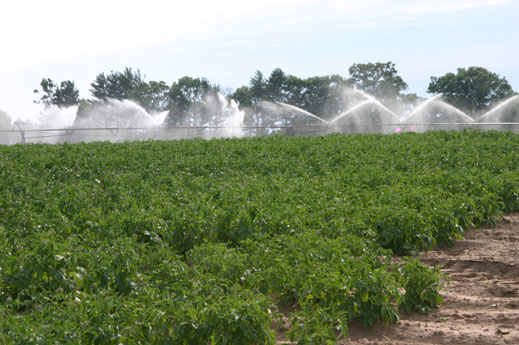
229,241
481,302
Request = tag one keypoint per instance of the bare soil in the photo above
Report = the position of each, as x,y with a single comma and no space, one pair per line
481,303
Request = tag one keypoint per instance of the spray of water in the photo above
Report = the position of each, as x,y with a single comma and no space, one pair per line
123,120
350,111
301,111
454,114
436,115
424,105
438,111
378,104
499,113
233,124
115,113
6,123
55,117
6,126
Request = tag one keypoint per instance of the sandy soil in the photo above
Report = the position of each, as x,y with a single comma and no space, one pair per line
481,303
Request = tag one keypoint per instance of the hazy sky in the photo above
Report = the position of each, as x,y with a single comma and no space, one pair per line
226,41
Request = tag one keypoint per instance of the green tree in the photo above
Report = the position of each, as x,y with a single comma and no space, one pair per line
378,79
131,85
154,96
189,101
249,99
243,96
473,89
276,85
320,95
63,94
261,89
258,87
117,85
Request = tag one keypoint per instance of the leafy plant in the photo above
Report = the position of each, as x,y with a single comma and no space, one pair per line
195,241
422,287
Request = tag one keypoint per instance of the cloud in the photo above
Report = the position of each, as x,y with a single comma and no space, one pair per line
448,6
35,32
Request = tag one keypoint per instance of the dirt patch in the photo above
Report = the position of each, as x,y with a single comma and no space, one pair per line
481,303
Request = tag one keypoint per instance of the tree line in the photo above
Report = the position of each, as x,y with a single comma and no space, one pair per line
193,101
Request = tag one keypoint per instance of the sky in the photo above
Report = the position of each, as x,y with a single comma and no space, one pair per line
226,41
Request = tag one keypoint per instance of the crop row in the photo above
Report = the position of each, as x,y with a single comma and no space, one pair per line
194,241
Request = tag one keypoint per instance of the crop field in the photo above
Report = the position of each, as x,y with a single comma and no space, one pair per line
206,242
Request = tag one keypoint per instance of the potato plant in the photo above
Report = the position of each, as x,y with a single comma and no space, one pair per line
201,242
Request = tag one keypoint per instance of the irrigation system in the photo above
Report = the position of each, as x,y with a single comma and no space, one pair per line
45,135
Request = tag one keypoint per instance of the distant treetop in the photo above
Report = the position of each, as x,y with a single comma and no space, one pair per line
473,89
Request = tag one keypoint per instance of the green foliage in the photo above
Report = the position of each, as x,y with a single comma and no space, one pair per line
196,102
196,242
320,95
472,89
62,94
130,84
378,79
422,287
117,85
189,101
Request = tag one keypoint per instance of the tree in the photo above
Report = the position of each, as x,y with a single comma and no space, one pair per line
154,96
258,87
188,101
473,89
117,85
276,85
261,89
243,95
130,84
321,95
252,95
63,94
249,99
378,79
